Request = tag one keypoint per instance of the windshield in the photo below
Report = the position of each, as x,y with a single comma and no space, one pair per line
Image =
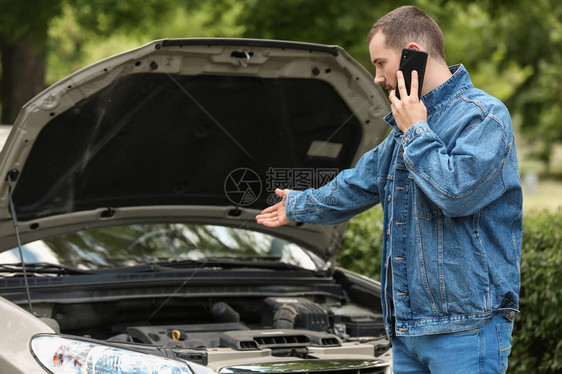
147,243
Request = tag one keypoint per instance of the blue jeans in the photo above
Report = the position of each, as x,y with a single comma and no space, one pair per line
478,351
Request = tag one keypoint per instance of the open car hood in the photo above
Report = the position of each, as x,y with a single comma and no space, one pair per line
194,130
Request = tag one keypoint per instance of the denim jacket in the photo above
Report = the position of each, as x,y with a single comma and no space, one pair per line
451,196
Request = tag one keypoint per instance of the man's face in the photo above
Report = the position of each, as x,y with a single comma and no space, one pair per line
386,61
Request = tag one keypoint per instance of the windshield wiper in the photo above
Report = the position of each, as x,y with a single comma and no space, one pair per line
229,262
45,268
41,268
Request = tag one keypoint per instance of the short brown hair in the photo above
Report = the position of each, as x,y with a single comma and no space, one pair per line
410,24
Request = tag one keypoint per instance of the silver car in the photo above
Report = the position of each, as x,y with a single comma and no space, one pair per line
128,192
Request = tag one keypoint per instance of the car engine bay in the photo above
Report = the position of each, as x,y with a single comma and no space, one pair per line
207,330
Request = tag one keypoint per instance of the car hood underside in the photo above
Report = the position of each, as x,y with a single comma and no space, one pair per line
199,128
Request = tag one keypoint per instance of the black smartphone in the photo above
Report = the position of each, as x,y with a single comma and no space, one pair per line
411,60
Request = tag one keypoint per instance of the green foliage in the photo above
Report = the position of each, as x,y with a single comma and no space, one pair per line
519,43
21,19
361,249
104,17
344,23
539,49
72,47
537,342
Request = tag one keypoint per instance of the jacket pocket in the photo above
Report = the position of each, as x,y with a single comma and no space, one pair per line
424,207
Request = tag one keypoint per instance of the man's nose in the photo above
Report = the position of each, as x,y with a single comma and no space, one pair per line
379,80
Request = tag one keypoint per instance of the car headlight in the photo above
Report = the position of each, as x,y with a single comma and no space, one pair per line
69,356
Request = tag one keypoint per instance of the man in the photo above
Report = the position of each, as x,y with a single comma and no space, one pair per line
448,181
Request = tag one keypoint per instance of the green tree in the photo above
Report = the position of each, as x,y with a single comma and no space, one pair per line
532,34
345,23
24,38
23,48
520,42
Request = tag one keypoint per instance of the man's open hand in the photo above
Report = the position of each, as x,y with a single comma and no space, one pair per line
275,215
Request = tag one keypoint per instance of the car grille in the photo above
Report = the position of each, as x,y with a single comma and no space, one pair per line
311,367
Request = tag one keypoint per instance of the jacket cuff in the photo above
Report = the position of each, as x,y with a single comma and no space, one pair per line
413,132
290,205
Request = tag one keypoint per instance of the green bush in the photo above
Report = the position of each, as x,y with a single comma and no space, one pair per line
361,249
537,337
537,340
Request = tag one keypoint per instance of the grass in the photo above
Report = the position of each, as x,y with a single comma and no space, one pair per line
547,196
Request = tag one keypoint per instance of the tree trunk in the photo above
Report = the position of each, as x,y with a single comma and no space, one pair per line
23,72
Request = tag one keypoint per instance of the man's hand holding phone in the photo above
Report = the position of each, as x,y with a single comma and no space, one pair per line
405,100
409,109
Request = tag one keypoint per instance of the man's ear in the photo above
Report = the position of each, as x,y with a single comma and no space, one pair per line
416,46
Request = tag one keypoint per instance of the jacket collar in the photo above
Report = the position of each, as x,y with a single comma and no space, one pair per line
452,87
